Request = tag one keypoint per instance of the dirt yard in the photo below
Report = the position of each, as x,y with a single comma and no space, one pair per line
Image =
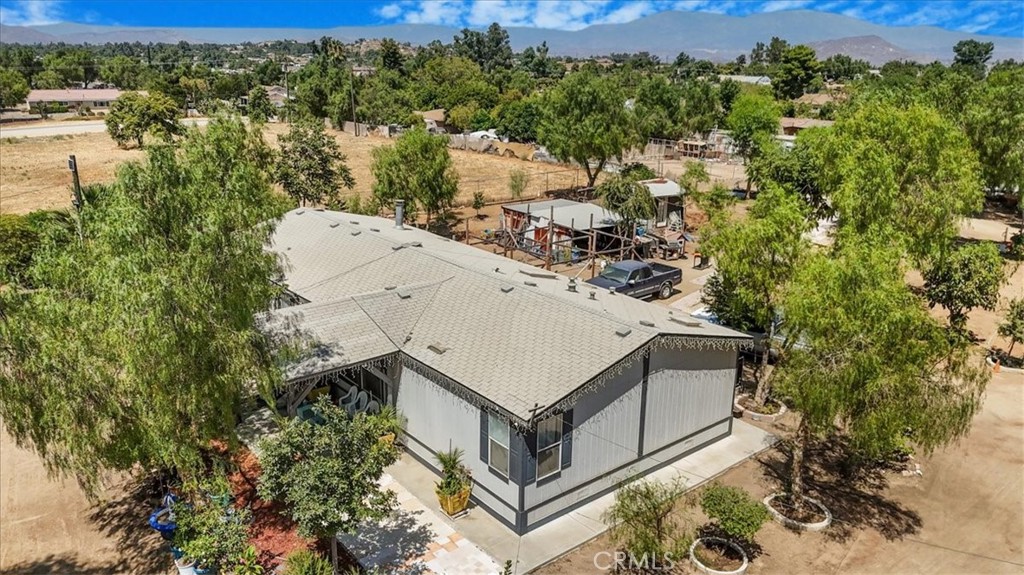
963,514
48,526
34,172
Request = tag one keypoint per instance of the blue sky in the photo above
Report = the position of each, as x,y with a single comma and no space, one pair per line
999,17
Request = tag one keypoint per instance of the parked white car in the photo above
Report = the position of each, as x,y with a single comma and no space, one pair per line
484,134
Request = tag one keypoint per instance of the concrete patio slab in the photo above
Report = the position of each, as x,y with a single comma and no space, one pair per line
552,540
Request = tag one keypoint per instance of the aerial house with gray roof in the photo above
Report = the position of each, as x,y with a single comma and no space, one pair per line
555,391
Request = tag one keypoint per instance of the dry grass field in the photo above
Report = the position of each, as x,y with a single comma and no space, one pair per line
34,173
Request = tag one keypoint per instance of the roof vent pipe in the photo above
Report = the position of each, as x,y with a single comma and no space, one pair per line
399,214
572,285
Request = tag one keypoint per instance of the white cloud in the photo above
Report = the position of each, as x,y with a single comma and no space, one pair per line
504,12
986,16
629,12
31,13
389,11
779,5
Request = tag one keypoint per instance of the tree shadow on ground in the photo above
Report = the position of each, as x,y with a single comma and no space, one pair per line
855,494
123,519
66,564
393,545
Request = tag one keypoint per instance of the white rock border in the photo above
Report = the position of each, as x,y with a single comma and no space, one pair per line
992,363
705,569
755,416
798,525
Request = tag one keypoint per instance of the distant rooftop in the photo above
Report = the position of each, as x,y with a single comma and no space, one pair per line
569,214
76,95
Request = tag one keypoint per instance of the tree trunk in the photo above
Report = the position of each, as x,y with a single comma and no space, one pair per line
761,393
334,554
747,195
1009,352
796,479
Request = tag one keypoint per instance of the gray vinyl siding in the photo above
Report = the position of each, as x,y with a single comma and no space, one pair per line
438,419
607,433
687,391
643,466
688,403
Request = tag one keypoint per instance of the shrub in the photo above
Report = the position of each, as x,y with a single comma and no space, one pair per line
518,179
306,562
737,514
637,171
213,536
642,521
478,202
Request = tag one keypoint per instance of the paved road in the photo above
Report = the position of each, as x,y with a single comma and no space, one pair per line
69,128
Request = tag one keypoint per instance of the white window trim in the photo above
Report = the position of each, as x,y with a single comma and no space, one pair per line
508,452
556,445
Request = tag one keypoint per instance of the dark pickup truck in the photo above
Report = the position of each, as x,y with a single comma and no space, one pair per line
639,279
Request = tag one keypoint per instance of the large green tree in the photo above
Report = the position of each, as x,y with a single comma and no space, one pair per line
390,57
584,119
799,66
259,108
490,49
657,107
417,169
876,364
753,121
995,126
965,278
13,88
122,71
901,172
134,114
755,259
386,98
310,165
138,342
972,56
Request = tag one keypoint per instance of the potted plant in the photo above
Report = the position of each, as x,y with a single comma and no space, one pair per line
736,518
456,482
389,423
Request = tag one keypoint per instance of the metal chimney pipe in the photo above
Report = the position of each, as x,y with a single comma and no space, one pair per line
400,214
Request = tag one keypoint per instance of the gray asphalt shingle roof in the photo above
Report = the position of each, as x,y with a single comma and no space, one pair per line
409,290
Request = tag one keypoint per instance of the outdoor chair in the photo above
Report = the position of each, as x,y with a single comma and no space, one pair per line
345,400
359,404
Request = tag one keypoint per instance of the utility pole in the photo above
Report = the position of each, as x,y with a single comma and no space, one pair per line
76,198
352,91
287,91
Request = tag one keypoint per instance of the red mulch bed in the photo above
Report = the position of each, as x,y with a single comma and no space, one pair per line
273,534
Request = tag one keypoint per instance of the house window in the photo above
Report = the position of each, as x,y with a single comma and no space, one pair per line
497,444
549,446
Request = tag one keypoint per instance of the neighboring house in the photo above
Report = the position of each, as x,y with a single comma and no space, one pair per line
434,120
278,95
361,71
569,222
792,126
556,392
76,98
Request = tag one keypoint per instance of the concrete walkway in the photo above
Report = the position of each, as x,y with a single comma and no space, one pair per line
416,541
568,532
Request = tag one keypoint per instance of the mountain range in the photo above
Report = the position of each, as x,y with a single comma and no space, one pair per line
716,37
